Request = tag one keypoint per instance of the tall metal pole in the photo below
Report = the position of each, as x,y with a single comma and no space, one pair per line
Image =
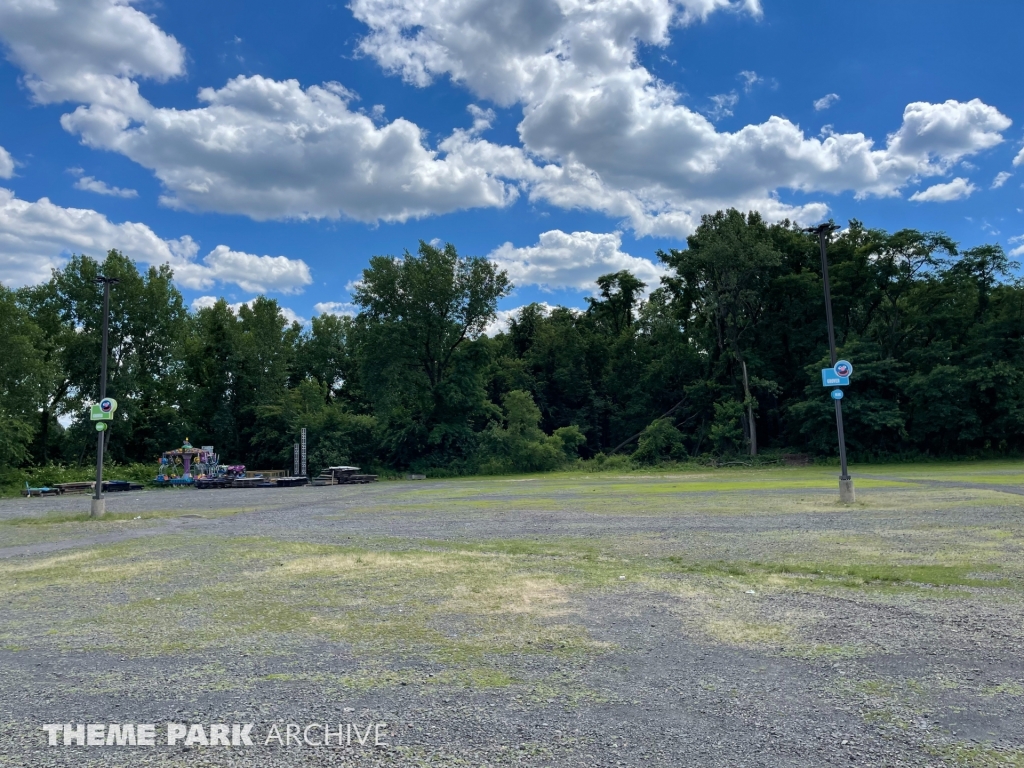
845,483
98,503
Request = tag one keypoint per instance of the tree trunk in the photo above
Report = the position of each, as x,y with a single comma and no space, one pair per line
750,411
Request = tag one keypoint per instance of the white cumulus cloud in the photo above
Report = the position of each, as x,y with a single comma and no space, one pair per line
572,260
957,189
269,149
90,184
1000,179
339,308
88,50
1019,159
826,101
1019,250
253,273
203,302
36,237
6,164
598,131
601,132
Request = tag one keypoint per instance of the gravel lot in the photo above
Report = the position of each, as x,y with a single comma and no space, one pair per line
734,618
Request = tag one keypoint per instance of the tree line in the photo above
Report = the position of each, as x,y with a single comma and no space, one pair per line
722,358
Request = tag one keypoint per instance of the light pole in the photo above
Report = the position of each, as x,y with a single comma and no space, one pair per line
846,492
98,502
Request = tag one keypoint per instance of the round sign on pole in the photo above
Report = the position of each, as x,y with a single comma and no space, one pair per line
843,368
101,426
108,405
837,394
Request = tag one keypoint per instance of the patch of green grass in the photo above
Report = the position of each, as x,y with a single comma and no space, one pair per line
567,547
884,688
875,687
56,518
855,575
681,491
738,631
1004,689
978,755
458,608
886,716
810,651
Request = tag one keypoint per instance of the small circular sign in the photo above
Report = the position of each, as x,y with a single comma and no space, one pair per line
837,394
101,426
108,405
843,368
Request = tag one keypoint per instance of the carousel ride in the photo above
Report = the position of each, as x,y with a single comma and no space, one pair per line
189,465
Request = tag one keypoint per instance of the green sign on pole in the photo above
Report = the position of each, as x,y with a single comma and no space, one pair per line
104,410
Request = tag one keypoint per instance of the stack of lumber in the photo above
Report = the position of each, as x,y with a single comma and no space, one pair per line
86,487
251,482
291,482
112,486
343,476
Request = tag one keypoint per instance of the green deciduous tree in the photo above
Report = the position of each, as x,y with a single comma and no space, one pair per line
520,445
24,376
420,366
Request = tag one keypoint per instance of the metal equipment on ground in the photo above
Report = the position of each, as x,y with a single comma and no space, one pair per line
343,476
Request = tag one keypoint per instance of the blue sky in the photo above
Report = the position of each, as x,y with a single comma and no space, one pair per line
268,147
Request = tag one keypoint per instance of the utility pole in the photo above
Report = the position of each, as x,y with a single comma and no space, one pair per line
98,502
846,492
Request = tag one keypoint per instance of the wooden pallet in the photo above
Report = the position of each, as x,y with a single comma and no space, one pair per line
251,482
343,476
85,487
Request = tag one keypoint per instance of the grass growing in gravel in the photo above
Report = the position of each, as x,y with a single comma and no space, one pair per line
461,604
856,576
979,755
60,526
56,518
479,604
689,491
450,607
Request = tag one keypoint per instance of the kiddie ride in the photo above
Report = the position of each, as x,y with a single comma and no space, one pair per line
200,468
184,465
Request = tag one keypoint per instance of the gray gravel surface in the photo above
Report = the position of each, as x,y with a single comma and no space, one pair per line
930,680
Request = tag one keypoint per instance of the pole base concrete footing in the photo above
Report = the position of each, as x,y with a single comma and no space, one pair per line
846,492
98,508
